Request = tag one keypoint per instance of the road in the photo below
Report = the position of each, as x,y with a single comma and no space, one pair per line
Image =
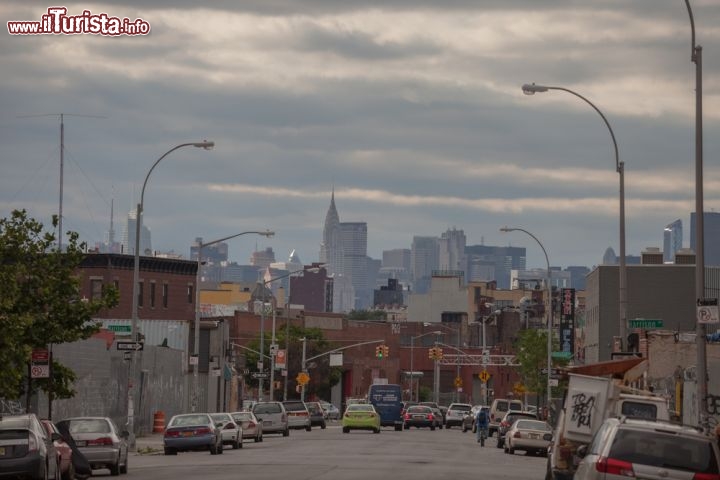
331,455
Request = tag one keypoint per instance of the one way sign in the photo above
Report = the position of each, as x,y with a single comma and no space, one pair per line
136,346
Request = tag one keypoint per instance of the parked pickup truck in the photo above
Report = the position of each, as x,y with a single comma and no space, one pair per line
589,401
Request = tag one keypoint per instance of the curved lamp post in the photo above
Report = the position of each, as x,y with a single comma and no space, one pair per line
548,312
207,145
531,89
196,347
696,58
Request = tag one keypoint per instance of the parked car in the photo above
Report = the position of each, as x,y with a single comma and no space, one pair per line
469,418
64,452
331,411
532,436
420,416
405,405
273,417
26,449
230,431
455,414
360,416
192,431
507,421
81,466
624,448
317,415
101,441
251,427
297,415
436,412
498,408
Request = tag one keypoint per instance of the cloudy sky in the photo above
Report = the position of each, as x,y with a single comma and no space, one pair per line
412,109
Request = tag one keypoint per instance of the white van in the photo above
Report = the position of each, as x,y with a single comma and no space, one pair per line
499,408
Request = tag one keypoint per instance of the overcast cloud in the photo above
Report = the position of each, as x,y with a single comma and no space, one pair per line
411,109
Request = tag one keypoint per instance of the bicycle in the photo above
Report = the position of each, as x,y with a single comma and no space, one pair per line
483,435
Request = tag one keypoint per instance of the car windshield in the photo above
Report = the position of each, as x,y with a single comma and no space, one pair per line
187,420
267,408
532,425
89,426
220,418
419,409
464,408
295,406
359,407
665,451
9,423
242,416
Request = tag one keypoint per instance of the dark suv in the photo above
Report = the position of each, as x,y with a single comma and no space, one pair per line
317,414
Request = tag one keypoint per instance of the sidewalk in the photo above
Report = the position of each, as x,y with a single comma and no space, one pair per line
150,444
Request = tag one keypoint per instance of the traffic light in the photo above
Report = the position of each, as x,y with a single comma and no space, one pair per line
386,351
379,351
431,353
439,354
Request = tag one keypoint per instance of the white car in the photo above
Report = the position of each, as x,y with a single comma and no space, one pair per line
230,431
532,436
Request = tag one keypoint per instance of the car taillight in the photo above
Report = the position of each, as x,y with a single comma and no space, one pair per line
250,425
32,443
407,416
614,466
516,435
202,431
430,416
172,433
706,476
102,441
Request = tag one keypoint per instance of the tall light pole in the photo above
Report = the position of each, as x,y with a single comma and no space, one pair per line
136,276
531,89
196,347
548,313
273,350
412,358
701,367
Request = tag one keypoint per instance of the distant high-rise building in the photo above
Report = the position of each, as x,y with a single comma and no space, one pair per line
711,244
396,258
215,253
452,255
487,263
355,260
577,276
263,258
424,258
609,257
128,236
672,240
331,250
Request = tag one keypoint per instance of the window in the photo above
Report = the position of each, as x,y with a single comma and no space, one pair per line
152,294
141,286
165,295
96,288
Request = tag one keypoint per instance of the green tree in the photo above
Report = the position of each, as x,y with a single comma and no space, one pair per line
531,354
40,302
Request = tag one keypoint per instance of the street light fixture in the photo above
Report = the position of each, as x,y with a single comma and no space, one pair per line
207,145
531,89
412,358
548,312
196,347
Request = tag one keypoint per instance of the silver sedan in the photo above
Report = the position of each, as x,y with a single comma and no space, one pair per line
532,436
251,427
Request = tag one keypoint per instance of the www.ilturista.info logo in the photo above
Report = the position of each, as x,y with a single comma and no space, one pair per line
58,22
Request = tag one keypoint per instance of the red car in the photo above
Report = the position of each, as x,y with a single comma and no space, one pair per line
64,451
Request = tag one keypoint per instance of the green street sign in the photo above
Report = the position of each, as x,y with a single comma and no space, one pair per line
645,323
120,328
566,355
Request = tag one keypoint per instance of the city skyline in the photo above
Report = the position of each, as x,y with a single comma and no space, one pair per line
412,110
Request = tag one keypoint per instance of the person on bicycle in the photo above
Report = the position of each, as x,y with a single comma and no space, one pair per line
481,426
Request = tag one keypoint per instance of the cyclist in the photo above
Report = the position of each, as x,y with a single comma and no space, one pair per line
481,426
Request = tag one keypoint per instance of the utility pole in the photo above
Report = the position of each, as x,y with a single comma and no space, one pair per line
303,361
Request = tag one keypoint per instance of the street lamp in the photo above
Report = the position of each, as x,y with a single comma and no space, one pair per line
207,145
701,367
196,348
548,312
531,89
412,358
273,350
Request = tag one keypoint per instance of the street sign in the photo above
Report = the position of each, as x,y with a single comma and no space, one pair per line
645,323
194,360
136,346
707,311
565,355
260,375
302,378
120,328
484,376
553,371
458,382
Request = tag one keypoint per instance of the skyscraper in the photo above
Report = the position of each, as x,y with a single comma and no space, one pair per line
452,251
355,260
424,258
128,236
712,237
672,240
331,251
